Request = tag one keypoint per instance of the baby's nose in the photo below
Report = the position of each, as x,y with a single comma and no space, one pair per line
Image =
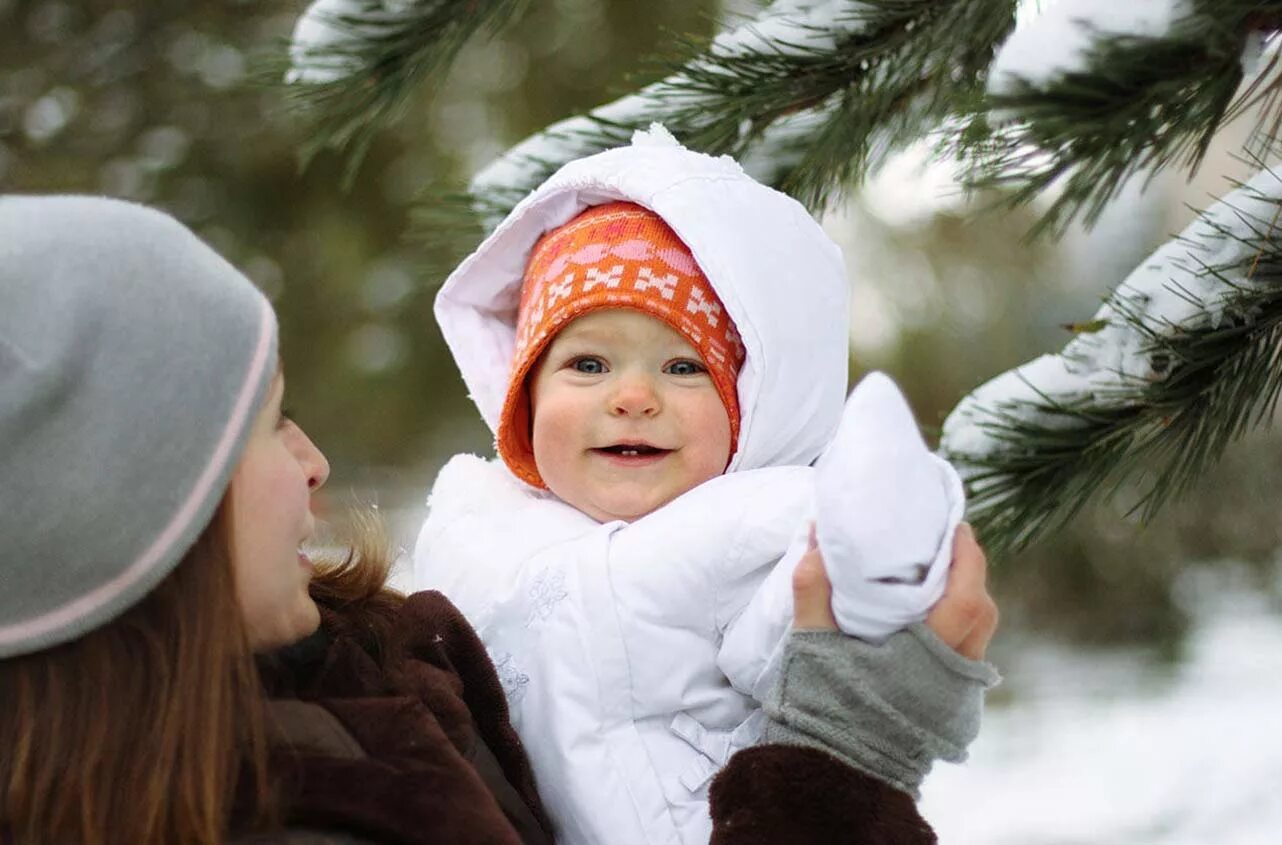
635,396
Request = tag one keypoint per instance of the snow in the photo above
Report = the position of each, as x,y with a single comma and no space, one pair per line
657,135
794,28
561,142
782,145
326,33
1059,40
1186,284
914,186
1111,748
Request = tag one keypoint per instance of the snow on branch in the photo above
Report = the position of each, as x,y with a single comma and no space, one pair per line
1060,40
1182,358
354,63
812,93
786,29
1095,91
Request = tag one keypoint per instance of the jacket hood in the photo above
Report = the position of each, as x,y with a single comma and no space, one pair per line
780,278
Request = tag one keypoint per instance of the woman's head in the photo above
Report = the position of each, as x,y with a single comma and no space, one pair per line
154,506
133,364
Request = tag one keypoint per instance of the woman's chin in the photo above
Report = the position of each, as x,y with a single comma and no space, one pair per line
309,620
301,623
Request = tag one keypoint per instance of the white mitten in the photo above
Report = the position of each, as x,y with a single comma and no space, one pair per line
886,509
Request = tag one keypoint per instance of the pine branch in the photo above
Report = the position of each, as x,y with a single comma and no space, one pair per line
864,78
1184,358
1136,104
355,63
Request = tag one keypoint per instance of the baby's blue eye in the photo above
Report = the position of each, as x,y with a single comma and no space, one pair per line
589,366
686,368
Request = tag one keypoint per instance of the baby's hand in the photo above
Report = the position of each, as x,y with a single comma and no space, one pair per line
886,509
965,618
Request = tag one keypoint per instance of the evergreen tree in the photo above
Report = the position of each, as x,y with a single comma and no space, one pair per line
813,95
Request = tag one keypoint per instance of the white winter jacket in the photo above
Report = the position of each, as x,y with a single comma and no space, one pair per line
634,655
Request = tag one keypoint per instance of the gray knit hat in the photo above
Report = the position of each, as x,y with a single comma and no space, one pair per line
133,361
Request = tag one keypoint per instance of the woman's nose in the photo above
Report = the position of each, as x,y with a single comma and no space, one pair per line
313,461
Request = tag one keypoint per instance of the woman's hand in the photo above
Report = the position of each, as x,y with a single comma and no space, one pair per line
965,617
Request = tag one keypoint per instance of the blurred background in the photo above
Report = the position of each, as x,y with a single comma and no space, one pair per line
1143,663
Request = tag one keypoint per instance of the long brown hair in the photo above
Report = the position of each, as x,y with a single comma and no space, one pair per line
140,730
146,730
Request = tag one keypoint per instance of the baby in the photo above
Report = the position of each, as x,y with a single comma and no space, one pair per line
659,343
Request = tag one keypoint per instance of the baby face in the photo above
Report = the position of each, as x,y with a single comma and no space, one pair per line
625,416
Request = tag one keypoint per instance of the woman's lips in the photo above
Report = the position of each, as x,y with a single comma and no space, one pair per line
305,562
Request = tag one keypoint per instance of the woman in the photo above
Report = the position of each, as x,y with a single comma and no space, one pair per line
174,670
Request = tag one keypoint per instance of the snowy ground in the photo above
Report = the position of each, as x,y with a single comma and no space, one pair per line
1102,749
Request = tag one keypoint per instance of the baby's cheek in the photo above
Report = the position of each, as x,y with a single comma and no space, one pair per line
551,458
715,437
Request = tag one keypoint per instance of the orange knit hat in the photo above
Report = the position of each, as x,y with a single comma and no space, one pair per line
617,255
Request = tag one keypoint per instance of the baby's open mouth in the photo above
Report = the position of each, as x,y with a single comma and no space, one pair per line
633,450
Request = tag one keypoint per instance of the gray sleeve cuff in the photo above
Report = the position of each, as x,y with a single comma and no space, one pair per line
890,710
